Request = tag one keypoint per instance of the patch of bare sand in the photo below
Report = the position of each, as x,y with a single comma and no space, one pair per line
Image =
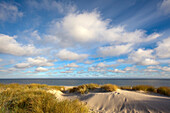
123,101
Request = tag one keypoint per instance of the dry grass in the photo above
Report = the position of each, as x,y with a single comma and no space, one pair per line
34,98
144,88
85,88
126,87
109,87
164,91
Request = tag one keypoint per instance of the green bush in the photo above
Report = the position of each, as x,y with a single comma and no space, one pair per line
144,88
164,91
109,87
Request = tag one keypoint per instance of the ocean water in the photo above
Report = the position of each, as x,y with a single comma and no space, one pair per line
75,82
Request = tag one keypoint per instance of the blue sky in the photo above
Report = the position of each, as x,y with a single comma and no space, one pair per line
84,38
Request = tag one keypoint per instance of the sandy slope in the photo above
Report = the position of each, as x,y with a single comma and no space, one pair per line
122,101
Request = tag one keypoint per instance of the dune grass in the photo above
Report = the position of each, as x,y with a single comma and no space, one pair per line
85,88
144,88
34,98
164,91
126,87
109,87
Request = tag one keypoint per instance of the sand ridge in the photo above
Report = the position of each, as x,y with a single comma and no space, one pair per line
121,101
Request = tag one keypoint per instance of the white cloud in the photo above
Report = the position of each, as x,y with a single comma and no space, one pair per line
88,62
72,65
36,35
68,55
89,27
1,60
39,61
150,70
22,65
165,68
116,71
67,71
101,65
130,69
96,69
41,69
165,6
9,12
114,50
163,49
9,45
142,57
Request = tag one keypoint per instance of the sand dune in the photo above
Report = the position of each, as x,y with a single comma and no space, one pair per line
124,102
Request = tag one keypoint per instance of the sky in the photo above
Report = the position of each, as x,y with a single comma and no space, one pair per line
84,39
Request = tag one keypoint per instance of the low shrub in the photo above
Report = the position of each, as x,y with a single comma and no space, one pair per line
109,87
144,88
164,91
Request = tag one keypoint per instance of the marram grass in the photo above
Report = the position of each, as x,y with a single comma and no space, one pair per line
34,98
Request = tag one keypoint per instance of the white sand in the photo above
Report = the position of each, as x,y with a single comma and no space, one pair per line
121,101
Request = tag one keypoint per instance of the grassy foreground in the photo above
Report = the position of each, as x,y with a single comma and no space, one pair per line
34,98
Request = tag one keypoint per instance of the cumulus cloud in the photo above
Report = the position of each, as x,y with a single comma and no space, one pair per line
9,45
89,27
117,71
38,61
96,69
150,70
9,12
69,55
36,35
67,71
72,65
142,57
165,68
163,49
41,69
88,62
130,68
22,65
165,6
101,65
114,50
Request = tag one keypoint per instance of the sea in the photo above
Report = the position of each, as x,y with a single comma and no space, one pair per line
75,81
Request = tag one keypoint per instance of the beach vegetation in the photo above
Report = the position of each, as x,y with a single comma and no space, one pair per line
109,87
126,87
144,88
84,89
35,98
164,91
